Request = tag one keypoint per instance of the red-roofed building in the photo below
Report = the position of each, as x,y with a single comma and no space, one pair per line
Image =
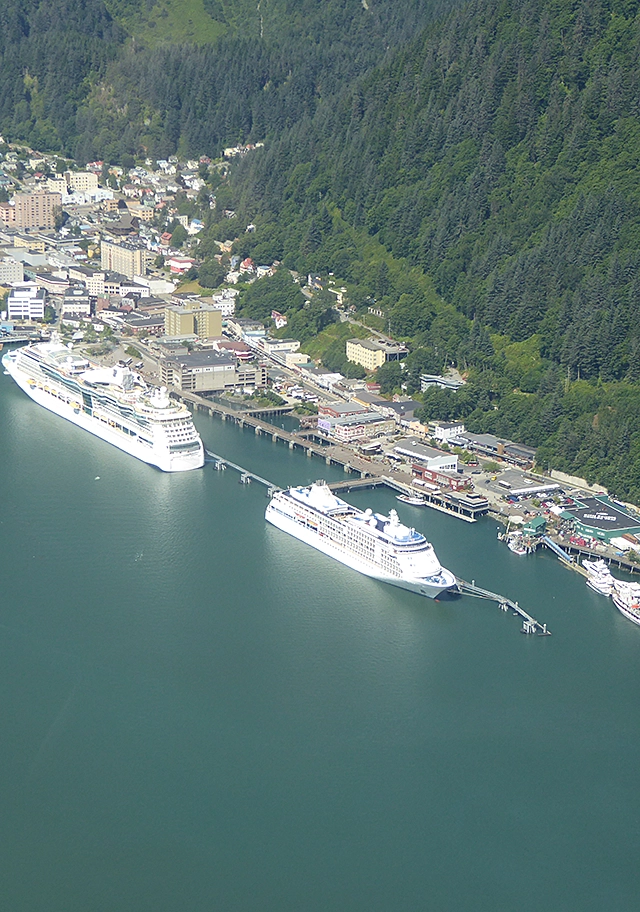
179,265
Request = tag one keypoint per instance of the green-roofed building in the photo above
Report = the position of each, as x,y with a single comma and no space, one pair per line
599,517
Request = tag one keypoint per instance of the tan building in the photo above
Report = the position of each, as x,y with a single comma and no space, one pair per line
82,181
31,210
372,355
29,243
144,213
210,371
57,185
192,318
120,256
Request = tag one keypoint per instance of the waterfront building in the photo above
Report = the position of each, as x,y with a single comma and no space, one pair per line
26,301
210,371
601,518
352,428
426,455
444,479
340,409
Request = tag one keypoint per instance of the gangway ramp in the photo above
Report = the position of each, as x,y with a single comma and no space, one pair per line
557,550
529,624
220,462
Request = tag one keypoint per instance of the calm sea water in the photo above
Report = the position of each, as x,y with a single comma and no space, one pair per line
200,713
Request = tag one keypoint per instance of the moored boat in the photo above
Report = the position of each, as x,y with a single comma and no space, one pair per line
626,598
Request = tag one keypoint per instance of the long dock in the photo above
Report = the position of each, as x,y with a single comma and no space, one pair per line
529,625
371,474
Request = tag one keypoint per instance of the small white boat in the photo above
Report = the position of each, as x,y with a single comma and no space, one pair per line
515,543
412,499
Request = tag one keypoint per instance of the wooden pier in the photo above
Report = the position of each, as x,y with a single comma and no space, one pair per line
371,474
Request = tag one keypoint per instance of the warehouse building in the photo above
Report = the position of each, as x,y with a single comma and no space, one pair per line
601,518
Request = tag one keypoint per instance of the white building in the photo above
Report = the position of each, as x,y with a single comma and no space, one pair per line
280,346
428,456
225,301
10,271
26,302
446,432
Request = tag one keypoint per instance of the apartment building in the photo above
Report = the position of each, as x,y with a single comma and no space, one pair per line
123,257
31,210
192,318
81,181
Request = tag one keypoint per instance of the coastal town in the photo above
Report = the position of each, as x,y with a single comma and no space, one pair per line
102,258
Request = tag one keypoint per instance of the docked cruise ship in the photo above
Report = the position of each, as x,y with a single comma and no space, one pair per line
376,545
113,403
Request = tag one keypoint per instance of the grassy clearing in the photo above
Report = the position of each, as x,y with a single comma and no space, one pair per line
173,20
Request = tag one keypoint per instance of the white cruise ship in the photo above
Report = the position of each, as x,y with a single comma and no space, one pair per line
376,545
113,403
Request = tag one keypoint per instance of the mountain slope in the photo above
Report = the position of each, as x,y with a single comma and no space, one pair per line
500,154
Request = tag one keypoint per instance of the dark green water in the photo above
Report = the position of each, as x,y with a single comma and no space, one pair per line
200,713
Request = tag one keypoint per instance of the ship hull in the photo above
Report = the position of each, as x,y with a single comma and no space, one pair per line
326,546
629,613
133,446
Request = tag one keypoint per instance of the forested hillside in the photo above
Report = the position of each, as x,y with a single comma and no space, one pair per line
51,51
105,78
500,155
470,169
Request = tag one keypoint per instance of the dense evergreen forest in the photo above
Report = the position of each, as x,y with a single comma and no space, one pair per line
469,169
91,78
497,155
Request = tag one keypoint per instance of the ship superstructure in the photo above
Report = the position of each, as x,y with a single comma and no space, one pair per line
113,403
376,545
